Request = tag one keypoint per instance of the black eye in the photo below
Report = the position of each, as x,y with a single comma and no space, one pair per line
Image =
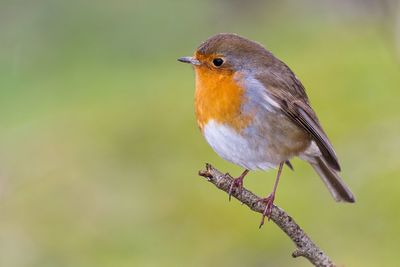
218,61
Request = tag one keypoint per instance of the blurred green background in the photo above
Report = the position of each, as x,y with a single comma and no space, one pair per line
99,149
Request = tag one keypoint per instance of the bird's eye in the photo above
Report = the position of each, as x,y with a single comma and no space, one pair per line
218,61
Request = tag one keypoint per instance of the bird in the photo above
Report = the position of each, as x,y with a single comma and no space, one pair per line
254,112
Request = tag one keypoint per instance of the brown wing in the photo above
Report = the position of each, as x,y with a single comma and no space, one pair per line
288,91
303,115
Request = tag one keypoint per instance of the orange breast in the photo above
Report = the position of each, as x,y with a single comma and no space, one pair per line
218,97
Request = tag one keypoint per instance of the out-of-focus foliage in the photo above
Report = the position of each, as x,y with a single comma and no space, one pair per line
99,150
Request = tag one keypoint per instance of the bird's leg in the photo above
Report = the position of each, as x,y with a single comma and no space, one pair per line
237,182
269,201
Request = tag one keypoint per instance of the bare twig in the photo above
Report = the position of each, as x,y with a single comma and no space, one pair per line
305,246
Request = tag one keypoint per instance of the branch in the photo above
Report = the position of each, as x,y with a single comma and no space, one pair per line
305,246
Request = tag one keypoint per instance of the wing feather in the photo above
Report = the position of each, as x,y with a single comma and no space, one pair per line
288,91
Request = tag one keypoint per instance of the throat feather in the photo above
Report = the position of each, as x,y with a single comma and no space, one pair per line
219,97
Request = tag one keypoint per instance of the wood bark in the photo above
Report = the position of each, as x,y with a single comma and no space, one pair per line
305,247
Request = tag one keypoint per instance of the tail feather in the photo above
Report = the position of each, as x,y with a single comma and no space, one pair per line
338,189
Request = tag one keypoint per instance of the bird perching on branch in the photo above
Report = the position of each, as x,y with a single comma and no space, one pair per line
255,113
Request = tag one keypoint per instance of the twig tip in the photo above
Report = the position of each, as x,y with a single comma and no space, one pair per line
297,253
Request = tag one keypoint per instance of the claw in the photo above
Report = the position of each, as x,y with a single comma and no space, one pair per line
237,182
269,204
269,200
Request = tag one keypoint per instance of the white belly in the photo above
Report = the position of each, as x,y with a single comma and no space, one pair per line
249,153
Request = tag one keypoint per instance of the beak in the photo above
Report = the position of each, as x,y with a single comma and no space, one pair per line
190,60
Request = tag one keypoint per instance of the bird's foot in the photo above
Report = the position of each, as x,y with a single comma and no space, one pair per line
237,182
269,204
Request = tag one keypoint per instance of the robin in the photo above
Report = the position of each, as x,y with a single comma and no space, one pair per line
254,112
